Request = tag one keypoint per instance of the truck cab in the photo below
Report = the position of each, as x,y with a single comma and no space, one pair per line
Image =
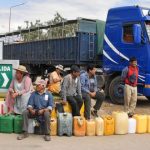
127,34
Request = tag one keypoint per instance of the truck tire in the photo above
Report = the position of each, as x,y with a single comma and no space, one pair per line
106,86
148,97
116,91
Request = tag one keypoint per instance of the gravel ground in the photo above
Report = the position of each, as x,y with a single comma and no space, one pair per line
143,107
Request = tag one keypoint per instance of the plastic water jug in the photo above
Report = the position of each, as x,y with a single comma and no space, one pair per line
141,123
53,113
90,127
121,122
99,126
53,127
79,126
3,108
109,125
148,123
31,125
18,122
6,123
64,124
131,125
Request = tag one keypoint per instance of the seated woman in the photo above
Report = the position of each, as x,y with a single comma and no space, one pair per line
55,80
19,91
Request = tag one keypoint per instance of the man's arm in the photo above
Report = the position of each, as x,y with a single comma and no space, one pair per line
79,87
83,84
64,88
124,73
30,105
50,102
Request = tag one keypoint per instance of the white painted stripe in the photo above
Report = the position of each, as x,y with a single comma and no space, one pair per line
114,49
142,80
106,55
141,76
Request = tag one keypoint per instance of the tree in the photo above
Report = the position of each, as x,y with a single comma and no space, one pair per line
55,32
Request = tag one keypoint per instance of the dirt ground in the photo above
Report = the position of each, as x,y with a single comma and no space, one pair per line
143,107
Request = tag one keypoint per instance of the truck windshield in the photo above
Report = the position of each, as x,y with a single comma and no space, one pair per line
148,28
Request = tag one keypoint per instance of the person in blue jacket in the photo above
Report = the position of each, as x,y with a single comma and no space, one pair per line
89,90
40,104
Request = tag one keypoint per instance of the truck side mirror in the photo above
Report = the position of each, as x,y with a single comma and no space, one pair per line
137,32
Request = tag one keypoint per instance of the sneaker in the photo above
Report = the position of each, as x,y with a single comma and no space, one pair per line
94,113
22,136
47,138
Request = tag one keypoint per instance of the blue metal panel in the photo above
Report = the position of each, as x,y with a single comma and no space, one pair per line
67,51
88,47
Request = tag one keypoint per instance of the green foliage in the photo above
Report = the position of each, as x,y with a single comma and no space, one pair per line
51,33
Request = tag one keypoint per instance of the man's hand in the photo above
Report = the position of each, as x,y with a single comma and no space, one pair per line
46,109
63,102
41,112
32,111
92,94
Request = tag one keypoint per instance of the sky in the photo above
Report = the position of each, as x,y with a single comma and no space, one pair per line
44,10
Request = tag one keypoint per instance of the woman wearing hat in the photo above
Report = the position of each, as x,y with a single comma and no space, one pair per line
19,91
55,80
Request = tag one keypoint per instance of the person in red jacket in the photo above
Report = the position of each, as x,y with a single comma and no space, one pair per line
130,78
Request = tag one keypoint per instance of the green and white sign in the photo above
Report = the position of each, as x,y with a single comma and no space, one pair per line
6,73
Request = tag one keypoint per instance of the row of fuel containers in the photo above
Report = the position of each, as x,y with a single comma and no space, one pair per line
65,124
117,123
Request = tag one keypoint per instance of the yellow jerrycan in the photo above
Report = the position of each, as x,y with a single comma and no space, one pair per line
148,123
90,127
141,123
109,125
53,126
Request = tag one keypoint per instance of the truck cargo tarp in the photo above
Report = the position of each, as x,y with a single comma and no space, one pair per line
100,29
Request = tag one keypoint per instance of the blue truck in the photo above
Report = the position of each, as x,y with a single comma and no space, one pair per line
109,45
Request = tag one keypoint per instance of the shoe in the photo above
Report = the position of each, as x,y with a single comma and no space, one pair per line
47,138
130,115
94,113
22,136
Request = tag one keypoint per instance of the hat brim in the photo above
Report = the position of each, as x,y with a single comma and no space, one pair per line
59,68
21,71
40,84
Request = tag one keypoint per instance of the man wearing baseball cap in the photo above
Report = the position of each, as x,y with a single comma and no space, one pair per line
40,104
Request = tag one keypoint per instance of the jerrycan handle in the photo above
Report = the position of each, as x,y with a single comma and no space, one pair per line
80,121
65,114
109,118
52,120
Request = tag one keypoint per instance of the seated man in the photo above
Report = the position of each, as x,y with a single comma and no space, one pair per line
89,90
71,90
40,104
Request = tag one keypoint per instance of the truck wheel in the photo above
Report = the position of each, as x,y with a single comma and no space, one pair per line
148,97
116,91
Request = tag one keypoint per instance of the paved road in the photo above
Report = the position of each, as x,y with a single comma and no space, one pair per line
115,142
